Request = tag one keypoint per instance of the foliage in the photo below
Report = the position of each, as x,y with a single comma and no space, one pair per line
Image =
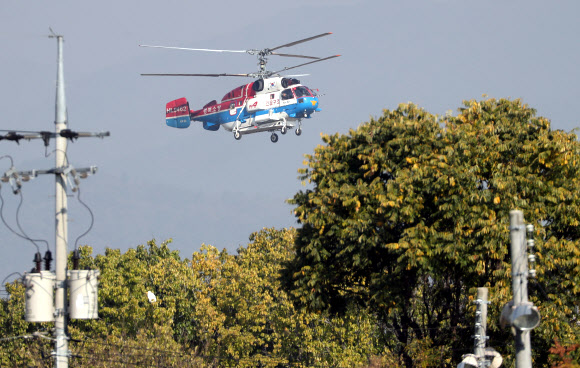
26,350
561,355
405,217
130,329
215,310
408,215
247,320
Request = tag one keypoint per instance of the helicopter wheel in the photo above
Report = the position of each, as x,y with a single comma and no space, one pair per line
274,137
237,135
283,130
298,131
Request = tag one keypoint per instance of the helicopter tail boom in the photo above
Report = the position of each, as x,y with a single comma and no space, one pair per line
177,113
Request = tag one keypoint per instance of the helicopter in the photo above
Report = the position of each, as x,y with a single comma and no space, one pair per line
272,103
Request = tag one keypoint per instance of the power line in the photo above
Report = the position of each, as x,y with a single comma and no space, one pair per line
35,335
20,227
10,228
90,213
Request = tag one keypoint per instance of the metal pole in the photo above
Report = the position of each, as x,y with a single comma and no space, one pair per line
520,285
481,326
61,339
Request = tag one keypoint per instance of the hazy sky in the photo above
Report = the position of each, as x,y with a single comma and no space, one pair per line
197,186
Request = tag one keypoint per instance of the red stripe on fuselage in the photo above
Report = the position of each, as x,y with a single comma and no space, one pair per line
226,104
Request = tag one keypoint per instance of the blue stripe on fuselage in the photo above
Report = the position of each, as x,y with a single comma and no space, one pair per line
225,116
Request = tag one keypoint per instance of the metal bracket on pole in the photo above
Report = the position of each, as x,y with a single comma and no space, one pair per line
73,176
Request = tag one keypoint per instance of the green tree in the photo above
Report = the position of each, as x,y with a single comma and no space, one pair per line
19,347
408,215
246,319
131,329
215,310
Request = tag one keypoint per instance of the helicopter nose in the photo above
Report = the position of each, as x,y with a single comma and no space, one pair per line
315,105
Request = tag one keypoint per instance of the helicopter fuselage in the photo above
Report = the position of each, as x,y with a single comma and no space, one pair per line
270,104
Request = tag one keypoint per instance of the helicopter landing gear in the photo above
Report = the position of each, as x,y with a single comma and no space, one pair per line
298,130
237,134
284,128
274,137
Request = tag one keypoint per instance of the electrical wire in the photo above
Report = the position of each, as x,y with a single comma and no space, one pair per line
93,341
124,357
4,291
47,154
8,226
92,217
80,201
8,157
35,335
20,227
13,273
15,338
23,235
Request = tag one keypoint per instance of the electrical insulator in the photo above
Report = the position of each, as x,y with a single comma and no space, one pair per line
47,260
38,261
531,257
530,230
76,257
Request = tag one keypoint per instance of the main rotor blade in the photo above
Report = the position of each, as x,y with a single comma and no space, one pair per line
310,62
197,75
190,49
300,41
296,56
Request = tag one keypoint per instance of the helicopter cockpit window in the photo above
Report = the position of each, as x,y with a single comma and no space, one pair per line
301,92
287,94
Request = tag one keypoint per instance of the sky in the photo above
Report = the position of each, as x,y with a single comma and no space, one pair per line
200,187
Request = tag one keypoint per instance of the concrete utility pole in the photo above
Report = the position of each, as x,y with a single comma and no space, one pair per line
520,285
61,339
481,326
55,285
522,315
483,357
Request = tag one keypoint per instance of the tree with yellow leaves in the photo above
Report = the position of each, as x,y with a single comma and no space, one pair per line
409,214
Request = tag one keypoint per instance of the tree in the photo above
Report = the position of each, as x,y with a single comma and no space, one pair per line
131,329
246,319
408,215
19,347
215,310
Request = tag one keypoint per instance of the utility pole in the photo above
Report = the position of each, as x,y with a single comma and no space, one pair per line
520,285
522,315
483,356
61,231
44,287
481,326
